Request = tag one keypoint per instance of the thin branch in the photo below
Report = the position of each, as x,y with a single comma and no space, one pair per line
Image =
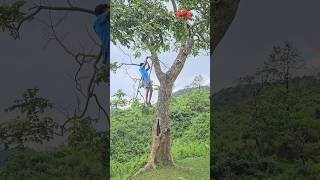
80,58
174,5
90,94
101,108
156,61
39,8
127,64
181,58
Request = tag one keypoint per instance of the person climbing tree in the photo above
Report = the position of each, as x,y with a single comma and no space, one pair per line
102,28
146,81
152,25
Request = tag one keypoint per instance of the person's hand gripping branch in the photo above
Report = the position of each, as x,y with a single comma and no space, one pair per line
147,63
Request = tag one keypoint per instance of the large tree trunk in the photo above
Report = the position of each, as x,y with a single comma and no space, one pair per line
161,137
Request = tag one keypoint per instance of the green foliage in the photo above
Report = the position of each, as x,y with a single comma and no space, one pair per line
84,157
181,121
64,163
267,126
31,104
10,15
131,131
85,154
270,141
138,24
103,74
119,99
30,125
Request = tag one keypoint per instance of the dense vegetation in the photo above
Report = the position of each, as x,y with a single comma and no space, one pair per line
84,157
131,132
268,126
84,154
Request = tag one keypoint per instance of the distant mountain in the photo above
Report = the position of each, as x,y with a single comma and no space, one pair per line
258,137
240,93
184,91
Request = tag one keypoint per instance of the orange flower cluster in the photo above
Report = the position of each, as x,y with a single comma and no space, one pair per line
185,14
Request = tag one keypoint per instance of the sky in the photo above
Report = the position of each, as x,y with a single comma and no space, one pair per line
258,26
194,66
30,62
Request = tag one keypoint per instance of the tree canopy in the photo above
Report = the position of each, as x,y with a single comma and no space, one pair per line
141,25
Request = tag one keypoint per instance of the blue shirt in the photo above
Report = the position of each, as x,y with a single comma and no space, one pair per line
102,28
144,73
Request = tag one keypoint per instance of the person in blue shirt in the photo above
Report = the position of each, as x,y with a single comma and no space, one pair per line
102,28
146,81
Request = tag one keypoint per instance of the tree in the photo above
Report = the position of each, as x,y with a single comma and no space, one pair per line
119,100
282,63
197,82
34,127
150,25
31,125
13,16
222,13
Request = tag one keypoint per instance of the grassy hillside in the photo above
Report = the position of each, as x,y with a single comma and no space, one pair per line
131,133
267,134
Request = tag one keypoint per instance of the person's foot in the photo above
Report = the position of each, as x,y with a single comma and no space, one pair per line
149,103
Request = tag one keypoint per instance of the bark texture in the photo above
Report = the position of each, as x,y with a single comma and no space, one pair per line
161,136
222,13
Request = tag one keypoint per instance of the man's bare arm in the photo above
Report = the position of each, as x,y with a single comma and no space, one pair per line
147,63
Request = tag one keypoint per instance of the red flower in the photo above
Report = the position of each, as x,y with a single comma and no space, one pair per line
179,13
189,13
184,12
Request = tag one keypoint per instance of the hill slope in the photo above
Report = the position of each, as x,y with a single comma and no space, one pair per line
267,134
131,132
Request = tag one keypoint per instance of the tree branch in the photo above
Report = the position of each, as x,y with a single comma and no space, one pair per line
90,94
80,58
181,58
174,5
156,62
101,107
39,8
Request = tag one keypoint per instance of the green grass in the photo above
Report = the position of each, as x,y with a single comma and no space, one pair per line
200,170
